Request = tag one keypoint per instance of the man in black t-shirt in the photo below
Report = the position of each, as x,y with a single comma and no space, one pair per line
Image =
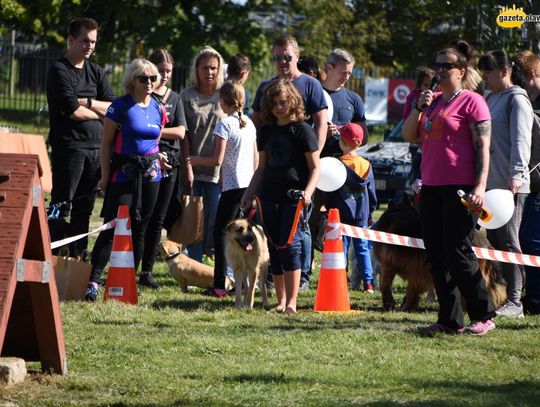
78,95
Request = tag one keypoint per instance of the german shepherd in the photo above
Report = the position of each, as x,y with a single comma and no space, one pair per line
246,250
411,264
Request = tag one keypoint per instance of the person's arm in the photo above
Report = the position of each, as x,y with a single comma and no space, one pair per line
212,161
481,137
173,133
410,126
97,106
320,127
257,120
188,173
521,123
82,113
107,140
255,156
247,197
313,163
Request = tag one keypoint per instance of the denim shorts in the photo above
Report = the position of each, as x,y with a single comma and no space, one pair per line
277,220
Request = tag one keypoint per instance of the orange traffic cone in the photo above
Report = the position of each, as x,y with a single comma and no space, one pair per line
332,290
121,283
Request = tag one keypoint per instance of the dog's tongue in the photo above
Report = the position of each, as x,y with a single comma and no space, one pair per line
249,247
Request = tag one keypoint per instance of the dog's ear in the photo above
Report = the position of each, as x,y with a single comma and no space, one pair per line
230,226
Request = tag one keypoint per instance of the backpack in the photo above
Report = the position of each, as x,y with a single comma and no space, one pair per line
534,162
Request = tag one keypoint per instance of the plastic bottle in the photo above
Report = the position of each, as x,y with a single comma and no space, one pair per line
483,213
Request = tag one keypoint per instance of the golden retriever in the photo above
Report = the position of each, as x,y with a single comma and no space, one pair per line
186,271
246,250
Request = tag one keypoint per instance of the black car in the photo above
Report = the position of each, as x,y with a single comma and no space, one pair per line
391,161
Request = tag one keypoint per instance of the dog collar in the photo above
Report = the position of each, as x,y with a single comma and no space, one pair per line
172,256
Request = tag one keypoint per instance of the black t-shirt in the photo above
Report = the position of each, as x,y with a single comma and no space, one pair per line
65,84
175,113
536,103
286,165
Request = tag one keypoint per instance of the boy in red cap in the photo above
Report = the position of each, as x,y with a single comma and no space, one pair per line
356,200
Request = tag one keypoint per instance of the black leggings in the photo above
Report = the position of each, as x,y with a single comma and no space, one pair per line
447,228
122,194
155,225
228,206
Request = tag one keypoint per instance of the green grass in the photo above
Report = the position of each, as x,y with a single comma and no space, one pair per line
177,349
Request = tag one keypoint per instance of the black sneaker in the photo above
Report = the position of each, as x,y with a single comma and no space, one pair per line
147,280
91,292
304,286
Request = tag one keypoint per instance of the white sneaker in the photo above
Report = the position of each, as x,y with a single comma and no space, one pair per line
510,310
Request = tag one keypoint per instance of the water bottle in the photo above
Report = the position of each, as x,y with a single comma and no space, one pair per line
484,214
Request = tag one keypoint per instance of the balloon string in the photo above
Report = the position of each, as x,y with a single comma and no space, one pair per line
534,168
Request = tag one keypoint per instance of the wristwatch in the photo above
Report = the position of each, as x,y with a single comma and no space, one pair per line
89,103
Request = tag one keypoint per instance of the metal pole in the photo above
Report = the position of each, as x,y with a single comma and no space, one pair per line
11,90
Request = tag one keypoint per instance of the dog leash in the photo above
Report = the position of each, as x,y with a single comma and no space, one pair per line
54,209
294,226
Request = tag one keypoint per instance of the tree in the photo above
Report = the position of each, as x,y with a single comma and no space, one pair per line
183,27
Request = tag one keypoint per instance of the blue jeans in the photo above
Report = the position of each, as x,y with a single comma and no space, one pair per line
506,238
364,269
210,193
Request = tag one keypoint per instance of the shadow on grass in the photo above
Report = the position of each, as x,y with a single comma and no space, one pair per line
519,393
193,304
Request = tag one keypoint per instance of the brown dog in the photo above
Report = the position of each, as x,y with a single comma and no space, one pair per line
186,271
246,250
411,264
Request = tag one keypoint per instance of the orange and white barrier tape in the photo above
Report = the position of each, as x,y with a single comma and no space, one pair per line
391,238
67,240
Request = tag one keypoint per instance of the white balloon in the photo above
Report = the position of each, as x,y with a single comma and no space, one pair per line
501,203
330,111
333,174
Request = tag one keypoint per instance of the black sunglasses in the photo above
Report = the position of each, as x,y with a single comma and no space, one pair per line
446,66
278,58
145,78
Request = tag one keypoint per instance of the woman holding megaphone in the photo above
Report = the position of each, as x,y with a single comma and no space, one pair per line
454,127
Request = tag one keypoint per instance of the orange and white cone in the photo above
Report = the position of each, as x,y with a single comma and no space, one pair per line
121,283
332,290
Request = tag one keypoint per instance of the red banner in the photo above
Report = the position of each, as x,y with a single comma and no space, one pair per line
398,89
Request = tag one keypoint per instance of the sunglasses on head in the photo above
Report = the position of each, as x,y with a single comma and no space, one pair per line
278,58
146,78
446,66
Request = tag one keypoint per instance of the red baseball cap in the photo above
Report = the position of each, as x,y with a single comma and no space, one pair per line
351,133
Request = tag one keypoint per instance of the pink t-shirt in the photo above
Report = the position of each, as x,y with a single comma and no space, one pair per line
448,155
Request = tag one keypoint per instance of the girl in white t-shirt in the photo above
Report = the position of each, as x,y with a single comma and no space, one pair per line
236,153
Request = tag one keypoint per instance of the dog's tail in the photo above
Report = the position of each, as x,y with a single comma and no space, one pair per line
496,285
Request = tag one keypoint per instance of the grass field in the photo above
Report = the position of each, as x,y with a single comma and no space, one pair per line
177,349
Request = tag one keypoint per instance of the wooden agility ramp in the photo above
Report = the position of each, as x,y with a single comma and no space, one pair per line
30,321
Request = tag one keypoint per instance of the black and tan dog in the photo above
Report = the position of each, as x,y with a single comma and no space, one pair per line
246,250
411,264
186,271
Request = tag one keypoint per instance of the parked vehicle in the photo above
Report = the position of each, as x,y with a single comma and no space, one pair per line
391,161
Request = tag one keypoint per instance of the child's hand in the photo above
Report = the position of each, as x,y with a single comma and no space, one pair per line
307,198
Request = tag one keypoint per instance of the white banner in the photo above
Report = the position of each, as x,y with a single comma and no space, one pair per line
376,100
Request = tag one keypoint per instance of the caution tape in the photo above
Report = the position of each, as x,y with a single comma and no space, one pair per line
67,240
391,238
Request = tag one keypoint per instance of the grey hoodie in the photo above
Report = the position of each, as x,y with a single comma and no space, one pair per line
510,147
